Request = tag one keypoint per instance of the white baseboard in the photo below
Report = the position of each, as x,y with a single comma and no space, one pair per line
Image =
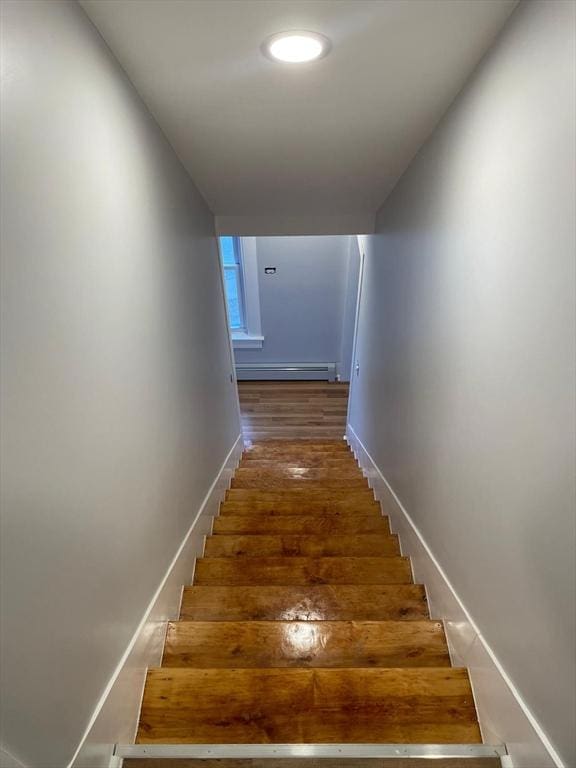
115,718
504,717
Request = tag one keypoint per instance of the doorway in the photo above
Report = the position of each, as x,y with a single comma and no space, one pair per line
291,309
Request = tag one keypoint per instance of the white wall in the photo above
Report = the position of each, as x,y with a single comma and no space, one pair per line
117,407
302,304
349,313
466,344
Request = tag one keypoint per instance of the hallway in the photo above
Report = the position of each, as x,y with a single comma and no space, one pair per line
288,383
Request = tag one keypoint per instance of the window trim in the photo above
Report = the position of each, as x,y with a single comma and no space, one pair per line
251,336
236,267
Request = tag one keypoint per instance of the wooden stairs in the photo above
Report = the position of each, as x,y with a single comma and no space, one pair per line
303,626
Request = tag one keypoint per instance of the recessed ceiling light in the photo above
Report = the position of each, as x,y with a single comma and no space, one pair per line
296,47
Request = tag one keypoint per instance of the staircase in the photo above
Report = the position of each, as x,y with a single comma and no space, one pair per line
303,627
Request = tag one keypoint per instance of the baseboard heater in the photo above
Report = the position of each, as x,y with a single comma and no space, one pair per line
286,371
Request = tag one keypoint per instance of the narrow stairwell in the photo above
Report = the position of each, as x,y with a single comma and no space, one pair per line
303,626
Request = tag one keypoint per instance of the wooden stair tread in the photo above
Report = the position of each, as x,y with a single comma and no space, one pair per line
302,624
261,545
301,483
328,508
307,644
302,570
322,602
300,493
406,705
319,474
314,458
244,523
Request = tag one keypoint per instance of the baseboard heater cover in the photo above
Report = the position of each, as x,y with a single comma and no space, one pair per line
263,751
286,371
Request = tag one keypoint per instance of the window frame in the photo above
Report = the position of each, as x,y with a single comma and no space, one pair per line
250,335
237,269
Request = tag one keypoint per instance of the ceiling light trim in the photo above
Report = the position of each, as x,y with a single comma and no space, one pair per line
323,46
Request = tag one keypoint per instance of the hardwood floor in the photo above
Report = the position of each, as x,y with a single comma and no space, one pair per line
293,409
303,624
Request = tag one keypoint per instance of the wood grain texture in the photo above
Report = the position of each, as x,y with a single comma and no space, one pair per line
289,409
357,545
300,524
292,402
294,392
303,624
317,460
273,482
222,571
283,472
220,706
299,446
301,493
306,644
292,455
333,602
362,508
300,501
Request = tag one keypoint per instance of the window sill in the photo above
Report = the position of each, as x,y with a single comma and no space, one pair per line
246,341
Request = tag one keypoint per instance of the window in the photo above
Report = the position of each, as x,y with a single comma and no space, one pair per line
232,265
240,268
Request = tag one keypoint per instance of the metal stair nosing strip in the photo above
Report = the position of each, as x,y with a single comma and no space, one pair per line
262,751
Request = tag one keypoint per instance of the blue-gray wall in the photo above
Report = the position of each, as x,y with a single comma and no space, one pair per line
302,305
